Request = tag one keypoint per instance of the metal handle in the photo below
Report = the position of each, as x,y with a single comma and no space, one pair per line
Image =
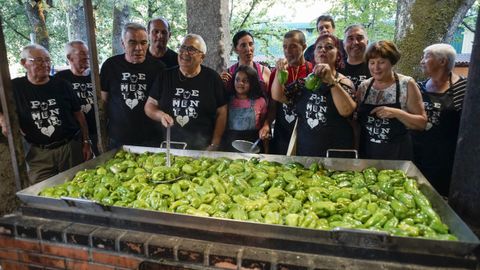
343,151
168,147
184,144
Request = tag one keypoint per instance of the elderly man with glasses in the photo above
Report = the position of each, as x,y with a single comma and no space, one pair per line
190,98
53,126
126,80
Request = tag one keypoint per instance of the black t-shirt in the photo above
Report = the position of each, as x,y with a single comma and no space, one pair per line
46,111
170,58
192,103
128,86
82,86
356,73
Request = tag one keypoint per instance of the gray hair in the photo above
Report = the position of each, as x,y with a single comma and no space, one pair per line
149,24
443,51
132,26
27,49
69,47
355,26
203,45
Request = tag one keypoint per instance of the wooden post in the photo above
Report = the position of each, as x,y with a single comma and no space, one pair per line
8,105
465,186
100,114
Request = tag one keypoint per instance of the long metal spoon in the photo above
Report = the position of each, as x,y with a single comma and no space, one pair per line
168,147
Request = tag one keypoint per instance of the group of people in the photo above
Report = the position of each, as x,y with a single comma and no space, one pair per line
335,94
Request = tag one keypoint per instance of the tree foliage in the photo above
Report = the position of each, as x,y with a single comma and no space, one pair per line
63,21
376,16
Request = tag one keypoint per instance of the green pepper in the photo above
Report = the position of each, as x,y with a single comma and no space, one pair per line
391,223
309,220
292,220
197,212
292,205
273,218
238,213
300,195
324,208
405,198
340,193
276,193
282,76
255,216
322,224
438,226
358,181
370,175
375,219
176,204
409,229
312,82
399,208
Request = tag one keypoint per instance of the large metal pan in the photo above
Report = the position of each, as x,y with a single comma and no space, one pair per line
336,239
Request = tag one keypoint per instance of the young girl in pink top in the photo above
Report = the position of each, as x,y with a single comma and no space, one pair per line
247,108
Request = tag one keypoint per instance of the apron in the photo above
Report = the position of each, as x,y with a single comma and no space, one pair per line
383,138
320,125
285,116
435,162
241,126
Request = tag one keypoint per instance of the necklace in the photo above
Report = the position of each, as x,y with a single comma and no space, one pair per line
295,71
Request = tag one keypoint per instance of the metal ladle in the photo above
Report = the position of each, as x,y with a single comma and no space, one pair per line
247,146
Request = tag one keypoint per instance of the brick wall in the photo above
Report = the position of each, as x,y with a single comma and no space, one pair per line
38,243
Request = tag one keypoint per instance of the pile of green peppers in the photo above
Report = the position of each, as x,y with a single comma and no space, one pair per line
261,191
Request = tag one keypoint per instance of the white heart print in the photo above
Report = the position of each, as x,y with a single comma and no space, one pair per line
289,118
47,130
131,102
182,120
312,122
86,108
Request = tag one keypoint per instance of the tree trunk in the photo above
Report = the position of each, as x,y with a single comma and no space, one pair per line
465,185
210,20
121,14
76,19
36,16
419,25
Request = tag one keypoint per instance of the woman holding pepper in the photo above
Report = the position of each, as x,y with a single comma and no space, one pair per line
324,104
389,105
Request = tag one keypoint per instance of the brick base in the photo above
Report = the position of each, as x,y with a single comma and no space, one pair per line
38,243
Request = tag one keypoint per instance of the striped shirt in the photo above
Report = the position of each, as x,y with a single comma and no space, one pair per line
458,90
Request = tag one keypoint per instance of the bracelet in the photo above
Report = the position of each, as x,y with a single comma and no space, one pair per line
87,141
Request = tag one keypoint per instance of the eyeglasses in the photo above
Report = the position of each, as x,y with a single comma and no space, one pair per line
40,60
327,47
189,50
